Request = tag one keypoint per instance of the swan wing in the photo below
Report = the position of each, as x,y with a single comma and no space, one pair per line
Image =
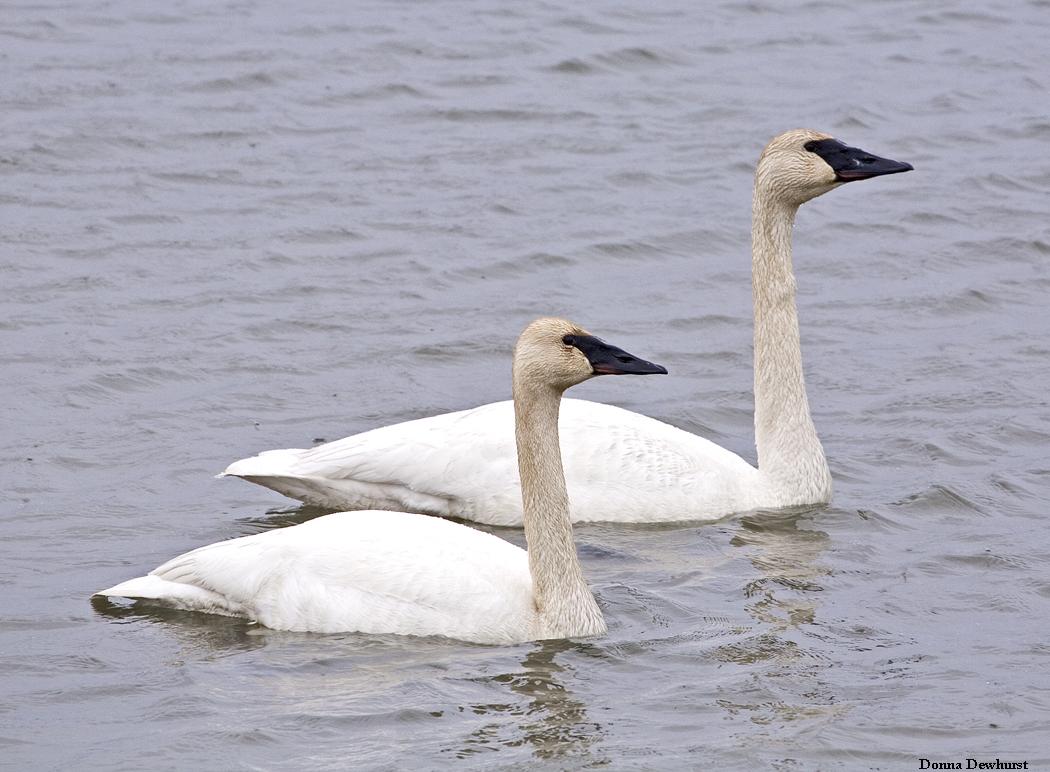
626,467
619,466
368,571
413,466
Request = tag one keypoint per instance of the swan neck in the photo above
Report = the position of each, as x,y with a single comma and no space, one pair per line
563,600
790,455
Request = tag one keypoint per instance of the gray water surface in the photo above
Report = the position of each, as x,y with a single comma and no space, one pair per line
239,226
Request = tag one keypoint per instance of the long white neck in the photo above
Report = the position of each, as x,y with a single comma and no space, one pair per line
564,601
790,456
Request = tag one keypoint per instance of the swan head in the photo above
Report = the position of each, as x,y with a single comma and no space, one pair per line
802,164
557,353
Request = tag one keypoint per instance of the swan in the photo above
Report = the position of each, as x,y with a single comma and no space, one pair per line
620,466
409,574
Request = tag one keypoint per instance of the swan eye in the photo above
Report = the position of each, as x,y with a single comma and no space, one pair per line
569,340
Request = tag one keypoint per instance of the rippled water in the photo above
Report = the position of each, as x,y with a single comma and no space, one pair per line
251,225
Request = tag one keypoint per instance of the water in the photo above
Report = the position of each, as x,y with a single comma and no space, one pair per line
253,225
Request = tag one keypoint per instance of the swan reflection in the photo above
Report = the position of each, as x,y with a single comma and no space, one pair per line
786,556
784,649
545,715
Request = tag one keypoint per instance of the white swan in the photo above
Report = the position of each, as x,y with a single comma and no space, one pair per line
620,466
395,572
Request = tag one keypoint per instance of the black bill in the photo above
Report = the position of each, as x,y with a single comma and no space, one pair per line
609,360
852,163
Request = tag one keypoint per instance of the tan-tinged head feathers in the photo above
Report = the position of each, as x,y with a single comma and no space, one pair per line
802,164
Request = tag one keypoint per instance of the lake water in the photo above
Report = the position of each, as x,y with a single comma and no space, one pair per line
247,225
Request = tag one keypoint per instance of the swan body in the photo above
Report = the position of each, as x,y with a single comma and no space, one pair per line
358,571
409,574
620,466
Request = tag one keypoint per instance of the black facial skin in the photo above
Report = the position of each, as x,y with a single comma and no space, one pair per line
609,360
852,163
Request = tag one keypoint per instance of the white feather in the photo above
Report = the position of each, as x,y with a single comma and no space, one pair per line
619,466
369,572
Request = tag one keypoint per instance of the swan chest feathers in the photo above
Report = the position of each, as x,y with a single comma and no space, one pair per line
367,571
619,466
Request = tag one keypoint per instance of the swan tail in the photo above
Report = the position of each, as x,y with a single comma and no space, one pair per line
288,473
173,594
270,463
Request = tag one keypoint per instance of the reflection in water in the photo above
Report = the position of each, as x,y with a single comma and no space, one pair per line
788,682
201,635
283,517
351,676
786,557
552,721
